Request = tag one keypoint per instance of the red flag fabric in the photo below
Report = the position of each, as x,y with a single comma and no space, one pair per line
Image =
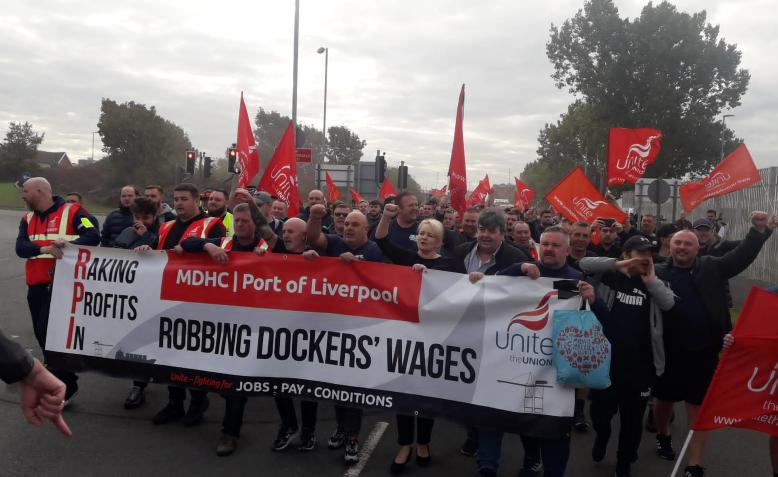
743,390
280,177
333,193
576,198
630,151
457,176
248,155
737,171
480,193
523,195
355,197
439,192
387,189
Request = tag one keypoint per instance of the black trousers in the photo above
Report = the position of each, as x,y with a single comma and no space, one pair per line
178,394
349,420
630,403
405,427
39,301
233,415
308,410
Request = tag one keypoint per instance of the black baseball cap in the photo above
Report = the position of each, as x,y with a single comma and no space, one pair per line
702,223
637,242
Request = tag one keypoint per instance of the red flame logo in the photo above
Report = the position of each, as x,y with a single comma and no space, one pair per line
540,310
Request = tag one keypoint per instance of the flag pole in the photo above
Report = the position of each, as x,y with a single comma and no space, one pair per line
680,457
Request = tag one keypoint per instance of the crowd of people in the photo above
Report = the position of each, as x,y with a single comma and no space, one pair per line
659,290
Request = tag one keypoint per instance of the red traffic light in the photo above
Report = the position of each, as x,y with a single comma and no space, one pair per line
233,153
190,155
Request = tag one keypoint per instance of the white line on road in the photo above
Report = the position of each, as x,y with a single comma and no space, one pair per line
367,449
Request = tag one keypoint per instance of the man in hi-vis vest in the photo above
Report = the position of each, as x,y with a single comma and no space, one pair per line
190,222
43,233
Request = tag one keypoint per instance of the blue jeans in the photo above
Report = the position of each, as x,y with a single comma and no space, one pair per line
553,452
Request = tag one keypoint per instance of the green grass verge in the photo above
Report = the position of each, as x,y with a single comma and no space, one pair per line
10,198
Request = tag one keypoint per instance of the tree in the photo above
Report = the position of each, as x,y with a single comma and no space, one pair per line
18,150
665,69
141,146
343,146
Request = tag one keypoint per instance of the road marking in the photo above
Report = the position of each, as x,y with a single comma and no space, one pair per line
367,449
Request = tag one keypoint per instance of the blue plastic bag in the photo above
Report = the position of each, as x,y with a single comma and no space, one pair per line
582,353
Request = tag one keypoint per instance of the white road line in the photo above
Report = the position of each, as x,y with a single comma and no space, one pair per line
367,449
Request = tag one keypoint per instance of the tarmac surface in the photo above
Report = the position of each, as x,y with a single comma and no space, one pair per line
110,441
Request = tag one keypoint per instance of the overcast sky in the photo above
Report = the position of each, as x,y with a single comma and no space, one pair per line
395,70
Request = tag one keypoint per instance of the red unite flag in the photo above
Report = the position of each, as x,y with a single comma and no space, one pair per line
630,151
387,189
355,197
743,391
481,192
523,195
280,177
333,193
248,155
737,171
576,198
457,176
439,192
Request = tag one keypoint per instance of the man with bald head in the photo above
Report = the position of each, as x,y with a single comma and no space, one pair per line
316,197
353,246
121,218
694,328
43,233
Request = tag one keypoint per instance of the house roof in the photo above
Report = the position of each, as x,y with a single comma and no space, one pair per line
52,159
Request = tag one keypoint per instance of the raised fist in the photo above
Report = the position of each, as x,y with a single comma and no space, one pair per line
317,211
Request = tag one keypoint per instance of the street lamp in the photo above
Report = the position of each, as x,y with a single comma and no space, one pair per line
93,144
326,52
724,128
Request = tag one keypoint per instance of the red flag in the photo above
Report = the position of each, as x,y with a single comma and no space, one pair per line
439,192
457,176
480,193
523,195
355,197
630,151
387,189
248,155
333,193
280,177
576,198
743,390
737,171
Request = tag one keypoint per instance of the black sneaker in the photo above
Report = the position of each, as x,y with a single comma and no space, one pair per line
135,399
70,393
469,448
623,470
337,439
227,445
351,451
194,415
531,469
487,473
694,471
172,412
664,447
580,423
284,438
599,448
307,440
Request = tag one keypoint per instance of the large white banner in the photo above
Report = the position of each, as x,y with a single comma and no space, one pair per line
363,334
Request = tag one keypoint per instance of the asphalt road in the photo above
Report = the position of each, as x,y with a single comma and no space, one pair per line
110,441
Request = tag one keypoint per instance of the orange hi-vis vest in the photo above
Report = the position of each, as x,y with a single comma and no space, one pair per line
198,228
227,242
40,269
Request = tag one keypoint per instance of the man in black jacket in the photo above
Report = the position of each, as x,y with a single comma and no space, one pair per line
121,218
695,327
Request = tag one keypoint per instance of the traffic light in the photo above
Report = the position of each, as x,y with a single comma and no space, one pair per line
207,167
402,176
190,161
232,157
380,166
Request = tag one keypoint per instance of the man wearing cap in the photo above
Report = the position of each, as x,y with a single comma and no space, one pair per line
710,242
265,203
694,328
636,299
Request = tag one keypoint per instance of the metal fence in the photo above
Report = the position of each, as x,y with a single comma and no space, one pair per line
735,209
